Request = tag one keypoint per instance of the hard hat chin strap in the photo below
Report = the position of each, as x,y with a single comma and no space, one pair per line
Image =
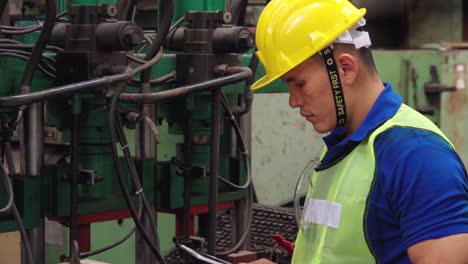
337,90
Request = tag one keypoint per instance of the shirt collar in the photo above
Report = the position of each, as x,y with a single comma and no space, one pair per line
385,107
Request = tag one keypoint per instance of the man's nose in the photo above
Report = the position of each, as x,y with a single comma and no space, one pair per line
294,100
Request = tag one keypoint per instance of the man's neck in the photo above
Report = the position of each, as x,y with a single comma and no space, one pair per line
365,94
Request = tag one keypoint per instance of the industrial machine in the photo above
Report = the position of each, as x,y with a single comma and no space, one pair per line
113,110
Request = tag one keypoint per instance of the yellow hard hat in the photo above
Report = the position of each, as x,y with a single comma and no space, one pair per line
291,31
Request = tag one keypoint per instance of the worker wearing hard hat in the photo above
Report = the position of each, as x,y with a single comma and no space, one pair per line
390,187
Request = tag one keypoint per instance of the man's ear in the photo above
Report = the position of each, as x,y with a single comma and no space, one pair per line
348,68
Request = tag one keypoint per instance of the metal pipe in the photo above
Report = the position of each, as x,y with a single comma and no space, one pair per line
187,173
237,74
243,207
143,252
146,144
145,149
38,49
32,140
188,135
75,155
25,99
214,169
167,12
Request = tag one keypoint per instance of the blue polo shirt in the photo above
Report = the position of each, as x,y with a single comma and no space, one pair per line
420,190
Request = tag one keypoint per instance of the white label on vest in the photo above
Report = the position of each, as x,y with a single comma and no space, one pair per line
322,212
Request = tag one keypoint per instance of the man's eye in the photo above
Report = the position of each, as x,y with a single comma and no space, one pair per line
300,84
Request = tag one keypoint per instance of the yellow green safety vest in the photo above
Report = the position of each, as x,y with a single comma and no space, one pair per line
332,224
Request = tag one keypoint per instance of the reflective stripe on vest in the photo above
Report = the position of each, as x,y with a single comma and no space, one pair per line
332,226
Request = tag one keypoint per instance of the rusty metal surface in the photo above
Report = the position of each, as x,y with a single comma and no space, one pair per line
454,114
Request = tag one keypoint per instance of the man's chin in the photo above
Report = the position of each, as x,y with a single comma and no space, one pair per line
319,128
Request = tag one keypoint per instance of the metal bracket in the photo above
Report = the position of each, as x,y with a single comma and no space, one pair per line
85,177
197,171
434,86
423,109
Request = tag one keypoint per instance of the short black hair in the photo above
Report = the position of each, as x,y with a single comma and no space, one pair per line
366,56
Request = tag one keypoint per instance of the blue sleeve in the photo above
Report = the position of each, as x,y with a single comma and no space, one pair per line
426,185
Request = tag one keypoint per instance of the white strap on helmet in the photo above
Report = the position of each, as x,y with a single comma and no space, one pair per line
352,36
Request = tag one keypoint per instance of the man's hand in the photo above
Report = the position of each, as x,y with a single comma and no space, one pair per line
260,261
450,249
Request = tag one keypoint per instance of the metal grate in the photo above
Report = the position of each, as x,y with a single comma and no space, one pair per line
267,220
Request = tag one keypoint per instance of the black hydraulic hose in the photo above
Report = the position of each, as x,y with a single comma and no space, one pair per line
121,7
167,13
36,55
9,158
120,178
248,93
125,9
9,191
2,27
22,57
38,49
75,155
214,169
243,146
16,215
248,184
158,81
117,243
10,41
24,237
135,178
247,227
47,63
61,15
135,59
8,44
109,247
32,28
26,30
238,74
238,10
130,10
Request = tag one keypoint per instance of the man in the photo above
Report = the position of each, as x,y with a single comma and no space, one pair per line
390,188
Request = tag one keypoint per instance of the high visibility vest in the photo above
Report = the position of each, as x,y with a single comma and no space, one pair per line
332,228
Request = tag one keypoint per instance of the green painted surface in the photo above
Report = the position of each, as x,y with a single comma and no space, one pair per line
105,233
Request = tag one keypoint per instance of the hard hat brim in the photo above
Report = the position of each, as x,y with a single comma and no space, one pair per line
265,80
